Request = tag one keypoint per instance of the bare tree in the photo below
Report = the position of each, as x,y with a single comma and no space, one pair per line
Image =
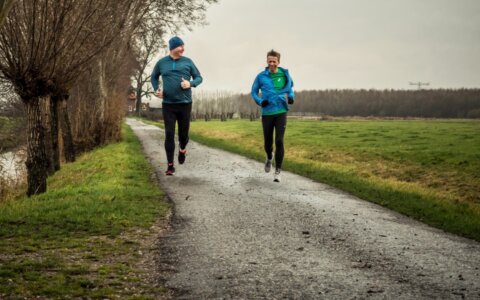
95,98
166,16
34,40
87,53
149,39
46,45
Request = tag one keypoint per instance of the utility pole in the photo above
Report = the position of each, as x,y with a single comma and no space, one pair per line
420,84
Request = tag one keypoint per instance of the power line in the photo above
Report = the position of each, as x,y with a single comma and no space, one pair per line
420,84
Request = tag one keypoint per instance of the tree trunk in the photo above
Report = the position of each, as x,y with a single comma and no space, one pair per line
102,99
47,126
36,158
138,104
54,133
67,137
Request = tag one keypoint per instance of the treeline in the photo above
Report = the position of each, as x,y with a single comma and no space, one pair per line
439,103
70,65
223,105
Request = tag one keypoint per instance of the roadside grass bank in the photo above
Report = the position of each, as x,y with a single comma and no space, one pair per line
426,169
11,188
91,235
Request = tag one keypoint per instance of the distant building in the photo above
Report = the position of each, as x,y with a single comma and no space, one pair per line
154,103
145,106
150,104
154,107
131,101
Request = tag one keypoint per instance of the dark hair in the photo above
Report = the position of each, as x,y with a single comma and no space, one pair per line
273,53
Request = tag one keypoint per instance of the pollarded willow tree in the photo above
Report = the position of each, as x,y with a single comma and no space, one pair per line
41,42
101,36
47,45
97,102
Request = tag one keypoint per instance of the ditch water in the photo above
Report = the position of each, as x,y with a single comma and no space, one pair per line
12,165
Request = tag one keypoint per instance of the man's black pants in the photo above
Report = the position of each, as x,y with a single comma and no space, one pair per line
173,113
279,124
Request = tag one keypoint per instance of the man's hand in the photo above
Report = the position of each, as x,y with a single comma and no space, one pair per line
264,103
159,93
289,100
185,84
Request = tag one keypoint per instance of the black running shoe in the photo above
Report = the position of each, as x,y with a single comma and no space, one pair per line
170,171
181,156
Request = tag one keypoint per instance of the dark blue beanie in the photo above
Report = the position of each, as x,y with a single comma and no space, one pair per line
174,42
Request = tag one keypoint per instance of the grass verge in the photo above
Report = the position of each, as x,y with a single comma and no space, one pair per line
91,235
428,170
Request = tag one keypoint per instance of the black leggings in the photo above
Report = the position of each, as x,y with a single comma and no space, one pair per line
171,114
279,123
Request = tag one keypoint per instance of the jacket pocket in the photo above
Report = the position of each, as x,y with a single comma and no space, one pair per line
282,101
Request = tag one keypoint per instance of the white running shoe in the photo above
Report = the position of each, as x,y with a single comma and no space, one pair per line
276,177
268,165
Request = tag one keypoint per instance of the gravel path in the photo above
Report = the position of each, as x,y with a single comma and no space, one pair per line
237,234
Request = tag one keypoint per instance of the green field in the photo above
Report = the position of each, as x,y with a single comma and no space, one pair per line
85,237
429,170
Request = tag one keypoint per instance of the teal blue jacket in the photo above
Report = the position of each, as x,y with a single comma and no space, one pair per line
172,72
277,100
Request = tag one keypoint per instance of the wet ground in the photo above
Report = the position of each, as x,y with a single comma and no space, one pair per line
237,234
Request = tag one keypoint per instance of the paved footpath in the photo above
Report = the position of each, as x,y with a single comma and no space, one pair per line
236,234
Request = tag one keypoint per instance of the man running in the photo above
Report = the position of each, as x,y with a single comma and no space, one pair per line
276,88
179,75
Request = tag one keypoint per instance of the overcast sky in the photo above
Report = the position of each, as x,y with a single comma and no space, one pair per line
340,43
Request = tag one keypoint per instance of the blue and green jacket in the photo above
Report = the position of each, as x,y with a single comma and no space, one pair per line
277,101
172,72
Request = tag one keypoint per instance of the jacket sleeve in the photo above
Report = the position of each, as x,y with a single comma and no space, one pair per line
255,91
196,77
291,93
155,76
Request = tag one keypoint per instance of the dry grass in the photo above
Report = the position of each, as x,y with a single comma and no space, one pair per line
12,182
407,176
